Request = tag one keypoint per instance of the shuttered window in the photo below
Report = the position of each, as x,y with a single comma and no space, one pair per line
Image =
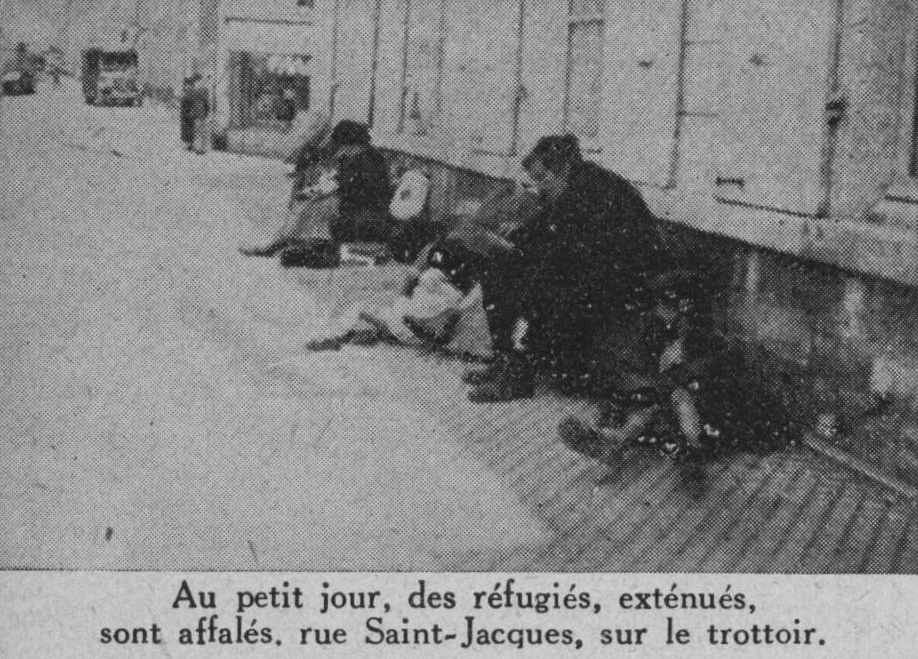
482,74
640,108
354,55
778,65
584,70
421,102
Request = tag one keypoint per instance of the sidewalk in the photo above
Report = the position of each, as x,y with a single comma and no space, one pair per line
792,511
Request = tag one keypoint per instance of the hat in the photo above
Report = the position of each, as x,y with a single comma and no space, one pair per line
348,132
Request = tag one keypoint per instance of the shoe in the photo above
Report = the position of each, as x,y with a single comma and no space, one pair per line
331,343
586,440
687,455
516,380
270,250
477,376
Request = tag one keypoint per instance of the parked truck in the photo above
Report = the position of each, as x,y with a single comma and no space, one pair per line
111,77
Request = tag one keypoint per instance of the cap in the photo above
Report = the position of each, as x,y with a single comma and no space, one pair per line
348,132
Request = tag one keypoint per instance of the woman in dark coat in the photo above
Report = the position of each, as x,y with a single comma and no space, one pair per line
355,209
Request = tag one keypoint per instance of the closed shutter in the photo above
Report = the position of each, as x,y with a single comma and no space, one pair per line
482,76
643,45
390,66
423,63
778,69
353,65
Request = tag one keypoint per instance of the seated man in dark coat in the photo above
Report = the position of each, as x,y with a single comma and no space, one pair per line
585,259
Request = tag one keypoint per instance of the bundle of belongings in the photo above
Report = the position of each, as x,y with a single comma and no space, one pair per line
441,302
672,383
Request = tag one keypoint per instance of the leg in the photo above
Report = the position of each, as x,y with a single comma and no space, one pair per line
604,443
561,336
199,136
687,414
501,304
362,226
363,333
310,219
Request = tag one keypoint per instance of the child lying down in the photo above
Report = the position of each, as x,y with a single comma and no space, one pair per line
431,311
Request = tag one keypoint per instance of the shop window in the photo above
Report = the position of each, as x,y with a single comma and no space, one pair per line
583,95
271,88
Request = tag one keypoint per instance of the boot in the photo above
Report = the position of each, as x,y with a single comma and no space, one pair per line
515,380
437,331
477,376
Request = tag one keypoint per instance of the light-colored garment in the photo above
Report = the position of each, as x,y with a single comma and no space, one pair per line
308,129
459,320
310,218
433,300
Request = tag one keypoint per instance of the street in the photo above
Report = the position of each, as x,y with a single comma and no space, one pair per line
159,411
157,407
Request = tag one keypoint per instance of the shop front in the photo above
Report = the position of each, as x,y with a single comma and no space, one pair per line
267,90
269,74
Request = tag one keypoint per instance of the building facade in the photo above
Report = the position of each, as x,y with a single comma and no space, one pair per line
781,133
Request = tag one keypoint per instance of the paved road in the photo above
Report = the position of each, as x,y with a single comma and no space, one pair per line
145,423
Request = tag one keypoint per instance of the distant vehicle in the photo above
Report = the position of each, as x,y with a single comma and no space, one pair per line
110,77
18,81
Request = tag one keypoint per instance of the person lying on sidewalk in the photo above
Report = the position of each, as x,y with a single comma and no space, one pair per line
349,205
431,312
583,260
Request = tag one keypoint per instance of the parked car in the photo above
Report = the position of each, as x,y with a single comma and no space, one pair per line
16,82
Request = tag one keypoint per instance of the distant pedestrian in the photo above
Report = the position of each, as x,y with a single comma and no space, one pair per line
185,116
200,113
